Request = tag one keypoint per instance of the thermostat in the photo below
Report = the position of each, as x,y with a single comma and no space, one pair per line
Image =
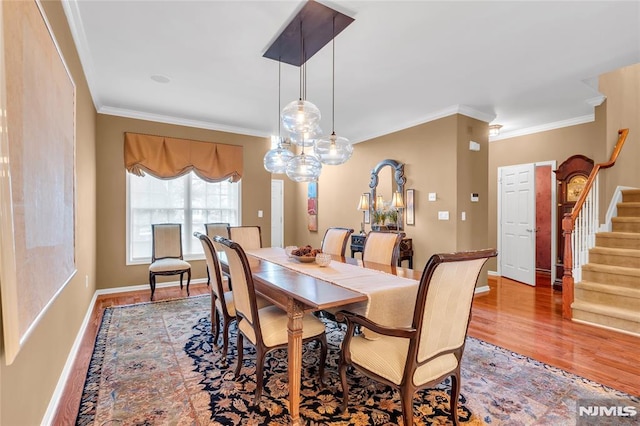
474,197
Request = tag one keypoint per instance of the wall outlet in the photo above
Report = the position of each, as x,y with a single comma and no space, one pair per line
432,196
443,215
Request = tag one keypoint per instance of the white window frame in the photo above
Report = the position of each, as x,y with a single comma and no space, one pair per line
185,229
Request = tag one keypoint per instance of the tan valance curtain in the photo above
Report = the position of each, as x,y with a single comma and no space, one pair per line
167,158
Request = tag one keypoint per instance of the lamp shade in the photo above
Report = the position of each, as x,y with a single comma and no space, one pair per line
379,202
397,201
306,139
363,205
333,150
300,117
304,168
275,160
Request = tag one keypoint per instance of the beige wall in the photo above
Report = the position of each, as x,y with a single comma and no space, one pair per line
28,384
622,88
111,189
436,158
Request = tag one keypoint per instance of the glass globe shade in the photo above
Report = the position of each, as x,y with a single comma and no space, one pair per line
300,117
304,168
306,139
275,160
333,150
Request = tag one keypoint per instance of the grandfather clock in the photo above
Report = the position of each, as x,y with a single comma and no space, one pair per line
571,176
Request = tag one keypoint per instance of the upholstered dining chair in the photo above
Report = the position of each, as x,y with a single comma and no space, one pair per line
265,328
212,229
166,254
430,350
335,240
216,228
249,237
222,305
382,247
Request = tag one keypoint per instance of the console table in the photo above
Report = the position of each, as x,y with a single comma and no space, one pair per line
406,248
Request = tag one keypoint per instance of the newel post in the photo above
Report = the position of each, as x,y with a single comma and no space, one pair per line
567,277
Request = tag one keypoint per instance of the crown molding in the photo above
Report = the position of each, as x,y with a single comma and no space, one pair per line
72,12
127,113
596,100
544,127
445,112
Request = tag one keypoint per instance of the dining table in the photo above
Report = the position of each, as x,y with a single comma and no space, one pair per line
386,294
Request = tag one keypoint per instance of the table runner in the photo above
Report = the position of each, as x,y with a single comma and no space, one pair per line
391,299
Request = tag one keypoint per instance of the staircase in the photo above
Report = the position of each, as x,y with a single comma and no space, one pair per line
609,293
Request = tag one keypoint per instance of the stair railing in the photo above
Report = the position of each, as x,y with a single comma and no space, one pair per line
579,228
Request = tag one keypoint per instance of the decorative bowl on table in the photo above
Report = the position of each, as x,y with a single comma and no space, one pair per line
304,259
323,259
289,249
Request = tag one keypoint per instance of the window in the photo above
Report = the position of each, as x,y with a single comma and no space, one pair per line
188,200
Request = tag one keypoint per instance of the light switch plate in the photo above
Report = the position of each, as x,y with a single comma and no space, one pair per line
443,215
432,196
260,213
463,216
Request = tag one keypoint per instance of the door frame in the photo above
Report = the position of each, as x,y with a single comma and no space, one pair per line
554,219
280,183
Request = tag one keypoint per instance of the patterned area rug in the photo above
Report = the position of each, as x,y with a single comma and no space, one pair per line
154,364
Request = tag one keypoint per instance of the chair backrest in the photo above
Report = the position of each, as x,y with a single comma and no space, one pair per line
166,241
443,304
249,237
213,265
244,295
216,228
335,241
382,247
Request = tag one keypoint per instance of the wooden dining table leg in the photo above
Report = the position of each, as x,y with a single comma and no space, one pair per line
294,348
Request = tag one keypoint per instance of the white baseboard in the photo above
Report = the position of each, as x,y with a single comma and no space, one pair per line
493,273
483,289
71,358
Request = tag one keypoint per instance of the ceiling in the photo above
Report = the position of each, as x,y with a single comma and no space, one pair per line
529,66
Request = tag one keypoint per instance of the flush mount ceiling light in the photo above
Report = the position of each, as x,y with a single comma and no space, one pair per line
308,31
494,129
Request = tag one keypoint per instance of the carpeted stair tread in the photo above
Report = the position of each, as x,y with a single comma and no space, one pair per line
621,235
623,240
619,270
631,195
610,289
626,224
616,251
610,311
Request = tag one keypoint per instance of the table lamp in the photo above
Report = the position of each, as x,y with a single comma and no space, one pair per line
398,203
363,206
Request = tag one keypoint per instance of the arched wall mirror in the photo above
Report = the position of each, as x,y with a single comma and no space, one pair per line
387,181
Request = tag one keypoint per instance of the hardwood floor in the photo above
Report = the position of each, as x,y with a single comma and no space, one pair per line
524,319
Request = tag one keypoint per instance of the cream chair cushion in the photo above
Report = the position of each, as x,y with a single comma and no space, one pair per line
273,324
168,264
379,247
247,236
231,307
334,241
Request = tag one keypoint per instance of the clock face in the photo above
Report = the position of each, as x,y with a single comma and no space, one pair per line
575,187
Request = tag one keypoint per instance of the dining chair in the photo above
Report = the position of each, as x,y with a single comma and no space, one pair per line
335,240
222,305
212,229
427,352
249,237
166,254
382,247
265,328
216,228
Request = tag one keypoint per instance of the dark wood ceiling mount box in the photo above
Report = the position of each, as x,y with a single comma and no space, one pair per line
313,24
571,176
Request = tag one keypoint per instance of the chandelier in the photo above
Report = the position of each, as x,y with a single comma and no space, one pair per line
312,28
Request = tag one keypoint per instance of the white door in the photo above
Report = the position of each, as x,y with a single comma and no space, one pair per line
277,208
517,223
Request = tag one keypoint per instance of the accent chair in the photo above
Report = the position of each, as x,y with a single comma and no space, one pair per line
166,254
